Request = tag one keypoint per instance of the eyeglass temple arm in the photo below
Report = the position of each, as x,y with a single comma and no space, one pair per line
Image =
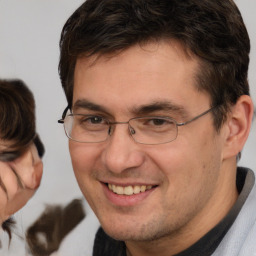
195,118
61,121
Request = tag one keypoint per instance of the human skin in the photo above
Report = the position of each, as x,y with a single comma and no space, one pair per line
16,190
193,177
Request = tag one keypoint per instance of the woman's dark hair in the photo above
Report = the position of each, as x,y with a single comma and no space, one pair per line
17,118
17,125
213,31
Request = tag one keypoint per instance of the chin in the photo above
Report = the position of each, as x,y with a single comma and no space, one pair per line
121,232
131,233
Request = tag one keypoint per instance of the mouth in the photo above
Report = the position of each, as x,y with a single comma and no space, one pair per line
129,190
128,195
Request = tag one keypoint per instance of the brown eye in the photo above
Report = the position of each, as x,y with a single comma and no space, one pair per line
158,121
95,120
90,120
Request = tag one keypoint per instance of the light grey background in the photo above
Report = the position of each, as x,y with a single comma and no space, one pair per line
29,36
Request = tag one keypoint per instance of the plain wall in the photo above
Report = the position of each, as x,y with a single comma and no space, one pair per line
29,37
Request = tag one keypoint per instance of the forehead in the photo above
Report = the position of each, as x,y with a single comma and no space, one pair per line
139,75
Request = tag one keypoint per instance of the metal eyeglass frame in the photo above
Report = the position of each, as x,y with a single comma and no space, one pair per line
62,120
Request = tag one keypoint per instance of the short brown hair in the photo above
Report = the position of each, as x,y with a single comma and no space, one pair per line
212,30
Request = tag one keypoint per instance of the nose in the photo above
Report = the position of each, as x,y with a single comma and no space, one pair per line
122,152
32,175
37,168
37,175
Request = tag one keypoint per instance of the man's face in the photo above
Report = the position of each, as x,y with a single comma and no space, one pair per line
182,178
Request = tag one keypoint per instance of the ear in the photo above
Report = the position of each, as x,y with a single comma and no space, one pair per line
238,126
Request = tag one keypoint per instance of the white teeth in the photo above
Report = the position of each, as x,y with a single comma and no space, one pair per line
128,190
136,189
119,190
143,188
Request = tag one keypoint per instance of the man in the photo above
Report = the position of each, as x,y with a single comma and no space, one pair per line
159,111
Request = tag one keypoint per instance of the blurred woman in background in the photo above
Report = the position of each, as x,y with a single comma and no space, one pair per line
20,150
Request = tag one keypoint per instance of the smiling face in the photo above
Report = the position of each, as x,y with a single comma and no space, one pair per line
159,190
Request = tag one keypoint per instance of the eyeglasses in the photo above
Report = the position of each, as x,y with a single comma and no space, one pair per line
149,130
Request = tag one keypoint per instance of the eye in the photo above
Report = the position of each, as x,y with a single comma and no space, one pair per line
156,124
94,120
158,121
89,123
153,122
89,120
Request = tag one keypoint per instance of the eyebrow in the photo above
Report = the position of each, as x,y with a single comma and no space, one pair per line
146,109
86,104
162,105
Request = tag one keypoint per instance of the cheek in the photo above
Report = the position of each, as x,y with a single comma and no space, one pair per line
174,160
84,160
187,163
81,155
191,176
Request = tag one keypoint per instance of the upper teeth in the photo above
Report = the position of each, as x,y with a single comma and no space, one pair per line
128,190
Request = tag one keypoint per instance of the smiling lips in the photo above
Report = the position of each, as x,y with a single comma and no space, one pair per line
128,190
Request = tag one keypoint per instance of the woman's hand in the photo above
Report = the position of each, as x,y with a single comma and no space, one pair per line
19,180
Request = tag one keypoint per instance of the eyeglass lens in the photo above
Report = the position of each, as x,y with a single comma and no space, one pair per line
145,130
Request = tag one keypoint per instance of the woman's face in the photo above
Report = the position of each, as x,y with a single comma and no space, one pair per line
19,179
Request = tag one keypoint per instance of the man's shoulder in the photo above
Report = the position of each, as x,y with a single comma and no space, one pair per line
240,239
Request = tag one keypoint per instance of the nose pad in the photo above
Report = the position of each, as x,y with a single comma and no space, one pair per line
110,130
132,131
